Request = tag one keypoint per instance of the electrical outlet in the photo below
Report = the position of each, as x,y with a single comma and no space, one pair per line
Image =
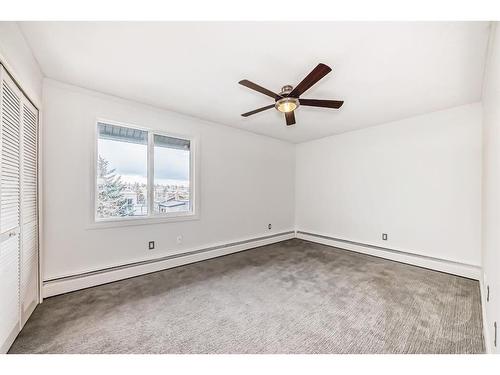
151,245
269,226
384,236
179,239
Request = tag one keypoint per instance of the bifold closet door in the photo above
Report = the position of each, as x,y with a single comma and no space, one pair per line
18,210
10,189
29,210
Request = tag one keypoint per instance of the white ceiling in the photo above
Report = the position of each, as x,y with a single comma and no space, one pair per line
383,71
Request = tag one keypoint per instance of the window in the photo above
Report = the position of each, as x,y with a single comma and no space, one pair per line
142,174
171,172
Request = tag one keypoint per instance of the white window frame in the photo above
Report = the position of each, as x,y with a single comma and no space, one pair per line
152,217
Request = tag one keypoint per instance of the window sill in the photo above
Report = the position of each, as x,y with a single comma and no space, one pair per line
133,221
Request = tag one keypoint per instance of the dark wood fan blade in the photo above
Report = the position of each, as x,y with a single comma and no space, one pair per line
258,88
290,118
321,103
317,73
257,110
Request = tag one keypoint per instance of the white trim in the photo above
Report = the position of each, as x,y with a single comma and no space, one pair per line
41,236
150,175
486,332
151,217
436,264
20,232
142,220
89,279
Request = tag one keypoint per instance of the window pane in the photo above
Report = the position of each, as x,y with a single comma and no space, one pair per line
121,172
171,174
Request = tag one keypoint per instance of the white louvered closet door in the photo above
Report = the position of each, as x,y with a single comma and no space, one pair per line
18,210
10,114
29,210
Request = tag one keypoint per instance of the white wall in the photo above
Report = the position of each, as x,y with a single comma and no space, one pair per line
491,185
419,180
18,58
247,181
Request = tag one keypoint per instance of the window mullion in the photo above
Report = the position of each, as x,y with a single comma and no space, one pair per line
151,177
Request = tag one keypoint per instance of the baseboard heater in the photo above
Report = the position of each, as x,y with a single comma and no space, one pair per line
102,276
425,261
83,280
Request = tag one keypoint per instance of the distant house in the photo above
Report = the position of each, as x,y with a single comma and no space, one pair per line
131,197
173,206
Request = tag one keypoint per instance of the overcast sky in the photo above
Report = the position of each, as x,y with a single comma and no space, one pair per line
130,161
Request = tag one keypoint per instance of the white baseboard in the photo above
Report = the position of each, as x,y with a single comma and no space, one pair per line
26,313
5,346
89,279
486,331
455,268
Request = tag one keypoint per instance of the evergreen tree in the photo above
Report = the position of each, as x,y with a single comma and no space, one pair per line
111,200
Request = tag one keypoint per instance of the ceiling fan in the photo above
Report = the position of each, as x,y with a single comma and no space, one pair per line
287,101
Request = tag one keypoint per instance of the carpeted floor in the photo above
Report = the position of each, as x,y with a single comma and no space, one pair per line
290,297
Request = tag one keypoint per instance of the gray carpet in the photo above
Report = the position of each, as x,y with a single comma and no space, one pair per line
290,297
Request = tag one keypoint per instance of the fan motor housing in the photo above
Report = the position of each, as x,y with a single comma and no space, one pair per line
286,90
286,103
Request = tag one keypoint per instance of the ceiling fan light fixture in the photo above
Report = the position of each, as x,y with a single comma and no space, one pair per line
286,105
287,101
